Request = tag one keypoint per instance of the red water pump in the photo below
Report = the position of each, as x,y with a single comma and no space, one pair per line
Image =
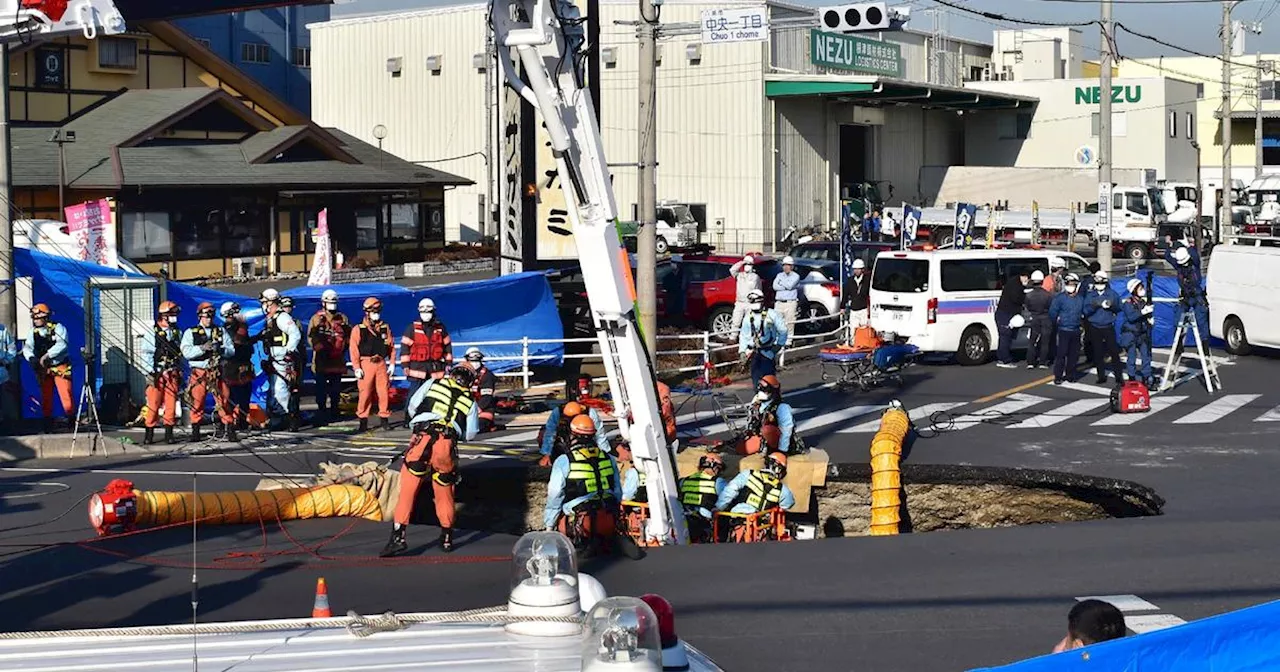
1132,397
115,509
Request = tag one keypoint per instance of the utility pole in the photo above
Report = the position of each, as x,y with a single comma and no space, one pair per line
1104,142
1263,67
488,223
647,189
1224,211
8,290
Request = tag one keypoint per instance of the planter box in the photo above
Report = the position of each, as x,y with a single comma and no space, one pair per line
352,275
422,269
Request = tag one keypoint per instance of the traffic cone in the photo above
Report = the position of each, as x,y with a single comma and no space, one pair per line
321,608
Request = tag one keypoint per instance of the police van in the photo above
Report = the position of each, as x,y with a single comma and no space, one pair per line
945,300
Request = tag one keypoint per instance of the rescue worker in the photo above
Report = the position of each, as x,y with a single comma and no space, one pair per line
328,332
1135,331
772,424
700,493
1186,261
856,296
761,338
667,412
441,413
1012,298
555,433
1100,310
297,361
204,346
633,480
237,370
1037,303
758,489
482,389
48,355
786,293
9,408
1056,283
746,281
426,350
1065,314
280,337
583,495
162,348
371,347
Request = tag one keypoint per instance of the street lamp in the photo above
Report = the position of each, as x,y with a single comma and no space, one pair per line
62,137
1198,231
380,132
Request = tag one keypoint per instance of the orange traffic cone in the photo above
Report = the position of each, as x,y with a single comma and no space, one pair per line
321,608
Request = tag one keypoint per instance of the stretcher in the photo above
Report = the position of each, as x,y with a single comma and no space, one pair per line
749,528
865,368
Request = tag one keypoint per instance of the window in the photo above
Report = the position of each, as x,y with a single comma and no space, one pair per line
1191,126
1015,267
366,229
198,233
970,275
705,272
975,73
1199,91
1267,90
247,229
1173,124
252,52
1119,124
405,226
117,53
1014,126
900,275
1136,203
1074,265
302,57
145,235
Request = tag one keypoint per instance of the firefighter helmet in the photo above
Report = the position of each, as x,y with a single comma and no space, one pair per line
205,309
583,425
711,461
372,304
572,409
777,463
474,354
169,308
269,295
329,297
39,311
769,384
465,375
286,302
426,306
229,308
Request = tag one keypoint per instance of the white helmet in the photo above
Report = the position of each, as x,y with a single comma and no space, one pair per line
748,260
329,297
1057,262
755,296
788,261
228,309
474,354
269,295
1037,275
1181,255
1017,322
858,263
426,306
1133,285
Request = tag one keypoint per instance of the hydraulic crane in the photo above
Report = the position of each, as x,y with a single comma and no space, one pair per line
549,41
24,20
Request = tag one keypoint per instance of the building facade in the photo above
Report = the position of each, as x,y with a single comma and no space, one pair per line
271,45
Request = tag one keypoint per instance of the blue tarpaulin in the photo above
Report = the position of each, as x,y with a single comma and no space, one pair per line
1166,323
1248,639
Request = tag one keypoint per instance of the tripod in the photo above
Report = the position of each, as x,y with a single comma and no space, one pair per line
87,398
1210,372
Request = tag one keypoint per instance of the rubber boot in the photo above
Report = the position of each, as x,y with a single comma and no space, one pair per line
384,424
446,539
397,544
195,434
364,425
168,434
150,437
231,434
219,431
295,422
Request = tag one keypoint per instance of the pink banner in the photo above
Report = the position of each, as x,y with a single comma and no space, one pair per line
94,230
322,267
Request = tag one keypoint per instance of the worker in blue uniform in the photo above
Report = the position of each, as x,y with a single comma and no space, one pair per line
1101,307
1186,261
280,338
762,337
772,424
699,494
584,494
1065,313
758,489
1135,331
556,430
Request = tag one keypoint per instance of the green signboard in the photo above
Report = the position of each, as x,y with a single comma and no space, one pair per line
844,52
1091,95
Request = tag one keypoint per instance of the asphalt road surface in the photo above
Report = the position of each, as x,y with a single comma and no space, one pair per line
934,601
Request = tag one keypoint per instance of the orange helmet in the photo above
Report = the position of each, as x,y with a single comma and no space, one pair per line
40,310
770,383
169,308
572,409
205,308
777,463
583,425
372,304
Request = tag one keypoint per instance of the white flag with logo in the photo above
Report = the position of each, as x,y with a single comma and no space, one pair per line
322,267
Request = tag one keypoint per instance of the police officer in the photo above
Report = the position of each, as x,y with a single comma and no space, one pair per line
772,424
1100,310
371,347
441,412
758,490
1065,313
1135,331
237,370
204,346
328,332
555,433
426,350
699,493
9,409
482,390
280,338
1037,304
583,495
49,357
746,281
162,348
1186,261
762,337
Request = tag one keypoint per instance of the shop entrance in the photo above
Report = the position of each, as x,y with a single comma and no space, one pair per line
853,158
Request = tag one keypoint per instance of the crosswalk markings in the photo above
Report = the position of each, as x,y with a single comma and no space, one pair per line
1272,415
1015,404
916,414
1216,410
1067,412
1158,403
1122,602
837,416
1086,387
1138,623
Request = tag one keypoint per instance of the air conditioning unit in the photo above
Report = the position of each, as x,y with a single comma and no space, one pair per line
1006,74
986,72
244,267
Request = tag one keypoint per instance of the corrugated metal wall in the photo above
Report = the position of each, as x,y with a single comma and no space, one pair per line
804,173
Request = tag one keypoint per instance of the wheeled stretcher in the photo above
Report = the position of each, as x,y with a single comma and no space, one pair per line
867,368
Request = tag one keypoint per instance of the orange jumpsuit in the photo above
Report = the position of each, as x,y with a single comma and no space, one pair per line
371,346
51,339
433,448
166,379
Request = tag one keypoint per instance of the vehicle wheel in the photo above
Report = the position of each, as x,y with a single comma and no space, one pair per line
1136,252
1237,342
720,323
817,311
661,245
975,347
946,239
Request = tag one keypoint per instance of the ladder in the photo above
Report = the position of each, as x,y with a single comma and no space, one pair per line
1207,368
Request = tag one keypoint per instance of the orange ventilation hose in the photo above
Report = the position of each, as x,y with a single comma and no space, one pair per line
253,506
886,475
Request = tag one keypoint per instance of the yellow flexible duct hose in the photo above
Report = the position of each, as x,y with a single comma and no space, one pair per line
886,476
252,506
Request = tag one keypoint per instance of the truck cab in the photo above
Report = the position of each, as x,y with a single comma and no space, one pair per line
1180,201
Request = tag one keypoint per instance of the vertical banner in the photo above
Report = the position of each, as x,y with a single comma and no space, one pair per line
510,180
991,228
910,224
1104,213
92,225
847,236
322,267
965,213
1035,222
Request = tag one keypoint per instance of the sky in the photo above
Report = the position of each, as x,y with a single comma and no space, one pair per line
1190,24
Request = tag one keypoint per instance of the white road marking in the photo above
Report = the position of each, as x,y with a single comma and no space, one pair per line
837,416
916,414
1145,623
1216,410
1161,355
147,472
1051,418
1158,403
1272,415
1122,602
1015,404
1086,387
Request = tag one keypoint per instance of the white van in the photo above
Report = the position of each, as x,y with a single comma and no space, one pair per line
1243,286
945,300
51,237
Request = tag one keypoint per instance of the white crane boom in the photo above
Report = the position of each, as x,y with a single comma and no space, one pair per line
26,20
549,41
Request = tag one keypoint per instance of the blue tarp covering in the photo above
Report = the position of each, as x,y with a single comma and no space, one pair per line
1248,639
501,309
1166,324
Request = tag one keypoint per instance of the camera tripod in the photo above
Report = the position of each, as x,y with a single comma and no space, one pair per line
87,398
1207,367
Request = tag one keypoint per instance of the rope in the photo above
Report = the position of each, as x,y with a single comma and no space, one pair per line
354,623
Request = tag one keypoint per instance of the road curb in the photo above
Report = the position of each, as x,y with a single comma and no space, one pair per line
15,449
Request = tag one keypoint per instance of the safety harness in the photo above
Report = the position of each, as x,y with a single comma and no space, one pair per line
167,353
238,369
449,400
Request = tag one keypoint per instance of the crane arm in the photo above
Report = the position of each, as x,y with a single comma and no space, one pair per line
25,20
548,40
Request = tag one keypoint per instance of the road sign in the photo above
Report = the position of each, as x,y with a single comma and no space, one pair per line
1104,212
749,24
845,52
1084,155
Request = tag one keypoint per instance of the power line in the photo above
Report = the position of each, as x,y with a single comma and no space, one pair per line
1185,50
1141,2
1001,17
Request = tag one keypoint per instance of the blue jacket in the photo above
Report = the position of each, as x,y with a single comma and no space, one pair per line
57,353
1096,314
411,411
631,484
730,493
196,356
1066,310
553,422
772,329
555,491
720,486
1133,324
786,423
1190,277
8,352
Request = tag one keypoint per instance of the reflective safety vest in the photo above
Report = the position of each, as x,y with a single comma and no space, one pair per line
273,335
591,474
200,336
763,491
427,343
373,340
167,352
699,490
449,400
481,374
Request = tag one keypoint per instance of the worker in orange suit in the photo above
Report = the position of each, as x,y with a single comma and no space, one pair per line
162,348
441,412
371,346
50,358
205,346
